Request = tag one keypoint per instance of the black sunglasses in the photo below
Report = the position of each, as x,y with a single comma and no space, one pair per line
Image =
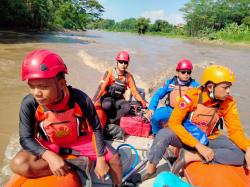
184,72
123,62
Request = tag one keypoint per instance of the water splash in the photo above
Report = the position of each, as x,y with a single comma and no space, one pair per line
101,66
12,148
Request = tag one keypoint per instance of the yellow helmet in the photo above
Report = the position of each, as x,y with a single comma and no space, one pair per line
217,74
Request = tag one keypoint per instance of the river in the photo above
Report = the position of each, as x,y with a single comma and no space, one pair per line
89,54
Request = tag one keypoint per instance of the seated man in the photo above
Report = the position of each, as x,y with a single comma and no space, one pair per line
206,105
55,116
113,85
174,88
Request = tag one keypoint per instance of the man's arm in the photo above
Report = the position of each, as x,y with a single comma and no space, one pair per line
179,113
102,86
160,93
134,91
27,125
90,113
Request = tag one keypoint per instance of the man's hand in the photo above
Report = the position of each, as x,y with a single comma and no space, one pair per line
205,151
101,168
247,157
149,114
56,163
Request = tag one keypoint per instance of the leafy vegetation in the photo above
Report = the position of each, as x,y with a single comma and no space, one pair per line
39,14
207,19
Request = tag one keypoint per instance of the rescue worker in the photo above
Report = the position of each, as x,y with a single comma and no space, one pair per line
205,105
174,88
56,118
115,82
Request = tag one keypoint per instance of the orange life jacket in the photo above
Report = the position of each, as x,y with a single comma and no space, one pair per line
176,94
61,127
206,118
118,88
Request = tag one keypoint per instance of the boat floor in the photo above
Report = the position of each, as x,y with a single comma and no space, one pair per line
142,145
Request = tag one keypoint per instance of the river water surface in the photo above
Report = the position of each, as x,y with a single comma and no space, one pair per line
88,54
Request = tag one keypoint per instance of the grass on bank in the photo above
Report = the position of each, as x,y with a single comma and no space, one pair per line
232,34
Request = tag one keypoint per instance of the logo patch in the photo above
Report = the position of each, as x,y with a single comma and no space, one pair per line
182,105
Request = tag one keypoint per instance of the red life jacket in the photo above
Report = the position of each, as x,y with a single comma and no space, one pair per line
206,118
62,127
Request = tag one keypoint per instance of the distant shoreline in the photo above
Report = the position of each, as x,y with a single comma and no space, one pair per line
218,42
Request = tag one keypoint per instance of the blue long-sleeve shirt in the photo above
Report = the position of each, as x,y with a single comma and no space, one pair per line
166,89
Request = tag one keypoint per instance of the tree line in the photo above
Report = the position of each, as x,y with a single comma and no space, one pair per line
212,19
52,14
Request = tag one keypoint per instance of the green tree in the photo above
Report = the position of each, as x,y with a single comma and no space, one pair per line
142,25
72,14
161,26
209,15
246,20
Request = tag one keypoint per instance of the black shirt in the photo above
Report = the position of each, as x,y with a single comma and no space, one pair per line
27,121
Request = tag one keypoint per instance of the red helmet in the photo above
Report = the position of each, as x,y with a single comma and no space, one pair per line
42,64
184,64
122,56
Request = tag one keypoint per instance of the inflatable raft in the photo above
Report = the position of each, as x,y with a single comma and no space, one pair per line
216,175
70,180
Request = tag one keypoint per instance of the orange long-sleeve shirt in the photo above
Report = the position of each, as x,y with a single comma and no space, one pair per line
108,79
228,110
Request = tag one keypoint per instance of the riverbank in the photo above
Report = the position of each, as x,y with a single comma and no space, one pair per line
208,39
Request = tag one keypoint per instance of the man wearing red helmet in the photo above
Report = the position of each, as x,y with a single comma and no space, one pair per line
174,88
110,91
55,119
207,107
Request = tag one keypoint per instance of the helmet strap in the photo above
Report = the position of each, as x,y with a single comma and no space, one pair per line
211,93
60,90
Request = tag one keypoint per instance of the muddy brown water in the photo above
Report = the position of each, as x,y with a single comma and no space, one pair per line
88,54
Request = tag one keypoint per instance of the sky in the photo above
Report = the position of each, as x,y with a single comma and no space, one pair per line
153,9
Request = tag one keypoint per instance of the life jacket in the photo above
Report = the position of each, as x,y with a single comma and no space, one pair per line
63,127
118,88
206,118
177,92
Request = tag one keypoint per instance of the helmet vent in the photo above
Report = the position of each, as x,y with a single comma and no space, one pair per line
43,67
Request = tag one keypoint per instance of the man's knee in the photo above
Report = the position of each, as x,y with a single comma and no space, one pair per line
115,160
125,107
20,164
165,133
155,118
106,105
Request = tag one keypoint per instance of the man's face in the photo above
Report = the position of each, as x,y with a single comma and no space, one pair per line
184,75
222,90
45,91
122,65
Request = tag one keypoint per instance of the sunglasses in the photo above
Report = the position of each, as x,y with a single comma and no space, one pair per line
123,62
184,72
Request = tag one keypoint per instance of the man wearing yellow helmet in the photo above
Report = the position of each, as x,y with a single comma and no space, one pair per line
207,107
213,96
